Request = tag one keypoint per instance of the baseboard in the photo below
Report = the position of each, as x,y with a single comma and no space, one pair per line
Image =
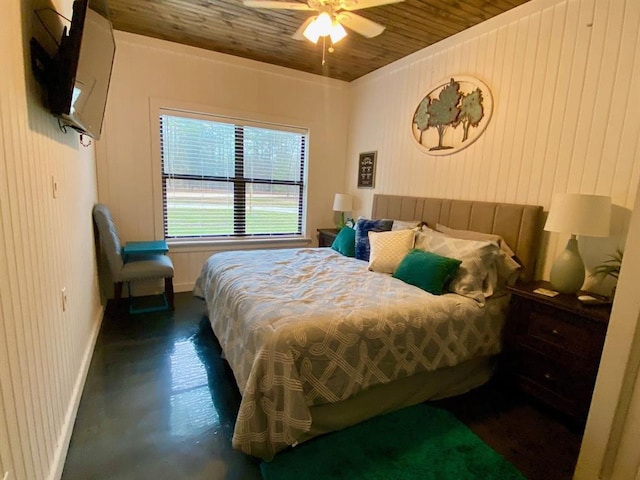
64,439
183,287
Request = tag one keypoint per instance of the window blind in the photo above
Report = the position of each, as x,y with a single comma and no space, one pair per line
223,177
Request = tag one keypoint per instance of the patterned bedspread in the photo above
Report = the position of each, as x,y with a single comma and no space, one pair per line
303,327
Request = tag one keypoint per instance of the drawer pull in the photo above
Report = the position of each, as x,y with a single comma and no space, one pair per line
548,376
556,334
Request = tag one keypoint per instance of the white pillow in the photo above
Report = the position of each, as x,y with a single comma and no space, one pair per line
404,224
477,275
388,249
431,231
508,268
472,235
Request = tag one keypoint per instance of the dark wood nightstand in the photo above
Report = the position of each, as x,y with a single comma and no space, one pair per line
326,236
553,346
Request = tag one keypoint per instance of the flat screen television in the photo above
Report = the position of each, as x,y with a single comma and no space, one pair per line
76,78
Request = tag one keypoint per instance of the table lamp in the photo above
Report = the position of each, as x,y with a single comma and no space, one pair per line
577,214
342,203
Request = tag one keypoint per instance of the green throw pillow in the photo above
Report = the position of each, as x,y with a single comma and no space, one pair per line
345,242
426,270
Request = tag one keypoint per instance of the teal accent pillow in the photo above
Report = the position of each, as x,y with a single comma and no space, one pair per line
426,270
345,242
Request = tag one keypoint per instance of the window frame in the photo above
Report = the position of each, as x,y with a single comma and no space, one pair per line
161,108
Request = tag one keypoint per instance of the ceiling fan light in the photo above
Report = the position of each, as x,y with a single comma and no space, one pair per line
323,24
337,32
311,33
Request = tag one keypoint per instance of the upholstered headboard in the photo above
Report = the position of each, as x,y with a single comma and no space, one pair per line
519,225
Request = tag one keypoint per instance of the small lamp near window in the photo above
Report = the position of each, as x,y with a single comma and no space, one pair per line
577,214
343,202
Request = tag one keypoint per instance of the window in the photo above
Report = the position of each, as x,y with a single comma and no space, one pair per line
228,178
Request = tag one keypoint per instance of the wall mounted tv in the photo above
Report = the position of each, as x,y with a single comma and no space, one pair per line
76,78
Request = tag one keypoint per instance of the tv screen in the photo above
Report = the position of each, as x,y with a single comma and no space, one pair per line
79,83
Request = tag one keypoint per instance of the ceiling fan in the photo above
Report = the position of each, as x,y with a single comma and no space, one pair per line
332,15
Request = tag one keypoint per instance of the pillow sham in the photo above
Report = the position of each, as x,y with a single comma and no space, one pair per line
387,249
472,235
427,270
363,227
477,275
404,224
345,242
507,266
425,228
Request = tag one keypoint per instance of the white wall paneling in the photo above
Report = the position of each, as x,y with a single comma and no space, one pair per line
149,73
565,77
562,74
46,244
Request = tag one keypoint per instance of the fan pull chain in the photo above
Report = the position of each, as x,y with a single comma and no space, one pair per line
323,49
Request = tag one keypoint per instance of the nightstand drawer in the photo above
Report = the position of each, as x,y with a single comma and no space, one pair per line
558,384
552,347
545,372
564,332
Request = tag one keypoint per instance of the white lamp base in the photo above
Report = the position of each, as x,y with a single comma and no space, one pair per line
567,272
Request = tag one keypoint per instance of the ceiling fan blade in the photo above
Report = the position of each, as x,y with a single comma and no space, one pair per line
274,4
350,5
363,26
298,35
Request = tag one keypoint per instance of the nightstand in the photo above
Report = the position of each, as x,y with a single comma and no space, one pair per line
553,346
326,236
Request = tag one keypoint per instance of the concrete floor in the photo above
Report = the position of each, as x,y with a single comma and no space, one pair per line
160,403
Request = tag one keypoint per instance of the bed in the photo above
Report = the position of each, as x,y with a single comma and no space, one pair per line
317,341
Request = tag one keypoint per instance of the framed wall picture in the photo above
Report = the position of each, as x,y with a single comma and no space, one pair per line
367,170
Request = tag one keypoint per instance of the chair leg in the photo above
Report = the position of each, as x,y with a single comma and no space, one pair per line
117,290
168,290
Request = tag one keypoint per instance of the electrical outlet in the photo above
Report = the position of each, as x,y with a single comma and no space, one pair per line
63,294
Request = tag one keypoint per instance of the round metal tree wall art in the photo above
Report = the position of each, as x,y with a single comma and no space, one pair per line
452,115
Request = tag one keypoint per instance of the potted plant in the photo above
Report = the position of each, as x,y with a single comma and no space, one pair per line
609,268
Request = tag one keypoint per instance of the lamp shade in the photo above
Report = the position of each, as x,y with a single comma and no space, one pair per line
342,202
337,32
579,214
312,33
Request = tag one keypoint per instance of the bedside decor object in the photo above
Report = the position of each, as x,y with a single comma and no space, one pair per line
459,101
342,202
610,267
577,214
367,170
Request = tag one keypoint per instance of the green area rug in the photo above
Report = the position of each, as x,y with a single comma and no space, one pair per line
418,442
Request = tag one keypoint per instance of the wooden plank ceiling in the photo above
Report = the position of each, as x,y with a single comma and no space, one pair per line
228,26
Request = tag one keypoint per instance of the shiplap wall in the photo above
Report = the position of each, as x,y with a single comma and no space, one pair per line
46,244
149,73
565,78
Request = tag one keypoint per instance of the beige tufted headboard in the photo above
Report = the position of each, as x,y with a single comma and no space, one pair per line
519,225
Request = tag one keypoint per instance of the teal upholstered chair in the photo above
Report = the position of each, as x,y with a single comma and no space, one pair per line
140,267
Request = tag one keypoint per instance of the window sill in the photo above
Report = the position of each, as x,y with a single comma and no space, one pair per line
206,245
